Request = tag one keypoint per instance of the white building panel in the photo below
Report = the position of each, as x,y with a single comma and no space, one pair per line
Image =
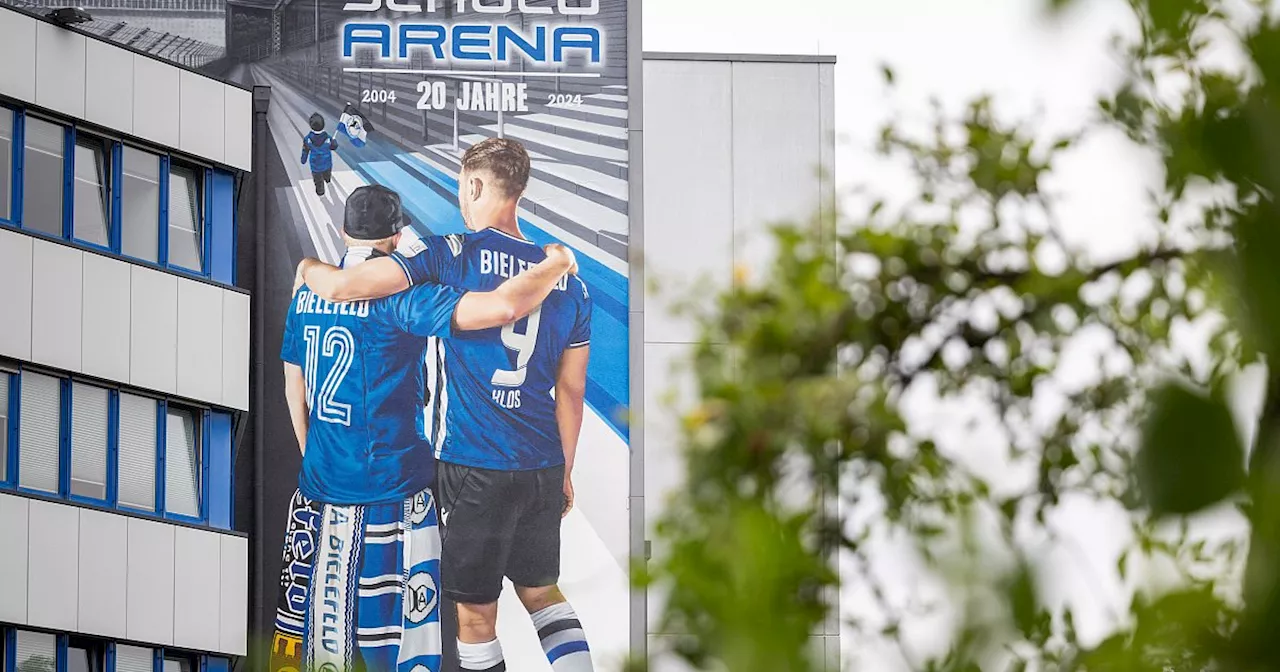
199,340
235,350
202,108
52,581
60,69
149,590
17,52
153,330
56,309
108,86
155,101
14,513
237,136
15,300
196,589
233,620
103,572
776,153
106,318
689,189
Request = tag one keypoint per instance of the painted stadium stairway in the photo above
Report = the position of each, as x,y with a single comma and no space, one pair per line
579,179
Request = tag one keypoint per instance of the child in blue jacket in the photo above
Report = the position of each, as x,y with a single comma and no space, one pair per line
318,146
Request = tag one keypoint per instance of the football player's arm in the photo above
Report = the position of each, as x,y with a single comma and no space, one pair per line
373,279
518,296
295,393
295,383
306,150
571,392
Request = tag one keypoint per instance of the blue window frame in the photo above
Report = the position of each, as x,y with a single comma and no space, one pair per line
186,462
74,653
173,214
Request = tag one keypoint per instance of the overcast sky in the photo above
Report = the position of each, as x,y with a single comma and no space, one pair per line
955,50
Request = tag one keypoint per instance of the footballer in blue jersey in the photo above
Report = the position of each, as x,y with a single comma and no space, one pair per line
366,537
503,413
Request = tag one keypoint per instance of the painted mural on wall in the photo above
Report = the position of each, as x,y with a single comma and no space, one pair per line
446,166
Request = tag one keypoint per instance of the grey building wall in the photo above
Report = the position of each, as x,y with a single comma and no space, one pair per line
732,143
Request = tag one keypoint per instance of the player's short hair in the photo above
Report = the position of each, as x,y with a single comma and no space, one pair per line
505,159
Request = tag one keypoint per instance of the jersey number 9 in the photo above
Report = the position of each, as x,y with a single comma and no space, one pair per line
523,344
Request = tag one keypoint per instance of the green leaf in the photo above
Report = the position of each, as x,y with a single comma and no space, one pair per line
1190,457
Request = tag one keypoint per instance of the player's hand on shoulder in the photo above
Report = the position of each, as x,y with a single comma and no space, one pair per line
558,251
298,275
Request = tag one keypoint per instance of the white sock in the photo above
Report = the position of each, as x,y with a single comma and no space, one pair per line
486,657
562,637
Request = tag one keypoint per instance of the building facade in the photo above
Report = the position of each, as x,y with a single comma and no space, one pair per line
124,357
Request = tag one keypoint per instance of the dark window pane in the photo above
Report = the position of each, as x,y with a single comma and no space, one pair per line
184,219
42,177
140,205
90,208
6,161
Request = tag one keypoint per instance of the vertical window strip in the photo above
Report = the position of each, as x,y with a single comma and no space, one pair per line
182,462
90,410
36,652
39,448
137,450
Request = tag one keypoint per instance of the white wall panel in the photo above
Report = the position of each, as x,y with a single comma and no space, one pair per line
153,330
235,350
776,152
201,111
56,310
149,589
237,136
688,178
199,340
108,86
53,560
106,318
60,69
155,101
14,513
233,621
15,278
197,562
17,53
103,571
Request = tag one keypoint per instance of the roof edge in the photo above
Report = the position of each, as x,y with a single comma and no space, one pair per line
739,58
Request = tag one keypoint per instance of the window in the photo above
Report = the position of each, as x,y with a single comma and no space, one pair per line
89,410
140,205
42,178
178,663
90,218
36,652
185,219
134,658
182,462
137,454
39,420
6,383
6,162
84,655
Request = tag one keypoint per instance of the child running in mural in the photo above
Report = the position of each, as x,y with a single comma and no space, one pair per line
317,149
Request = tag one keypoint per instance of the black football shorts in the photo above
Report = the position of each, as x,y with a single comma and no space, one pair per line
495,524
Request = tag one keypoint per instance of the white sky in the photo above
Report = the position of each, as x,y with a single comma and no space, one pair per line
955,50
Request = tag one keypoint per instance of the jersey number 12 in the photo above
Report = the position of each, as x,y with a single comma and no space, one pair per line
523,344
340,346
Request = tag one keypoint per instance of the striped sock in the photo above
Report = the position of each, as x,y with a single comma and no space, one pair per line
562,637
486,657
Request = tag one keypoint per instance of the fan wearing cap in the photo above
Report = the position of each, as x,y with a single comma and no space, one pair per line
317,149
368,543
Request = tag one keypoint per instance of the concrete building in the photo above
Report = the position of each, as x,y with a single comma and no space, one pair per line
124,358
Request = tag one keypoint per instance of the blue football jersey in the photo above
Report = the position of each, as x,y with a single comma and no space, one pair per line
490,402
363,366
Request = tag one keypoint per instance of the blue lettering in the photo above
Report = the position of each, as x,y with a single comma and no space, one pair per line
422,35
378,34
571,37
462,41
535,51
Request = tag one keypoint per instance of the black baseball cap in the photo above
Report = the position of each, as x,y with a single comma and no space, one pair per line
372,213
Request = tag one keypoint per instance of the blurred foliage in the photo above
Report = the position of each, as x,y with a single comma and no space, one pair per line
802,446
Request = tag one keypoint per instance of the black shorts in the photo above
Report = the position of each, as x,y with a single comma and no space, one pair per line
495,524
